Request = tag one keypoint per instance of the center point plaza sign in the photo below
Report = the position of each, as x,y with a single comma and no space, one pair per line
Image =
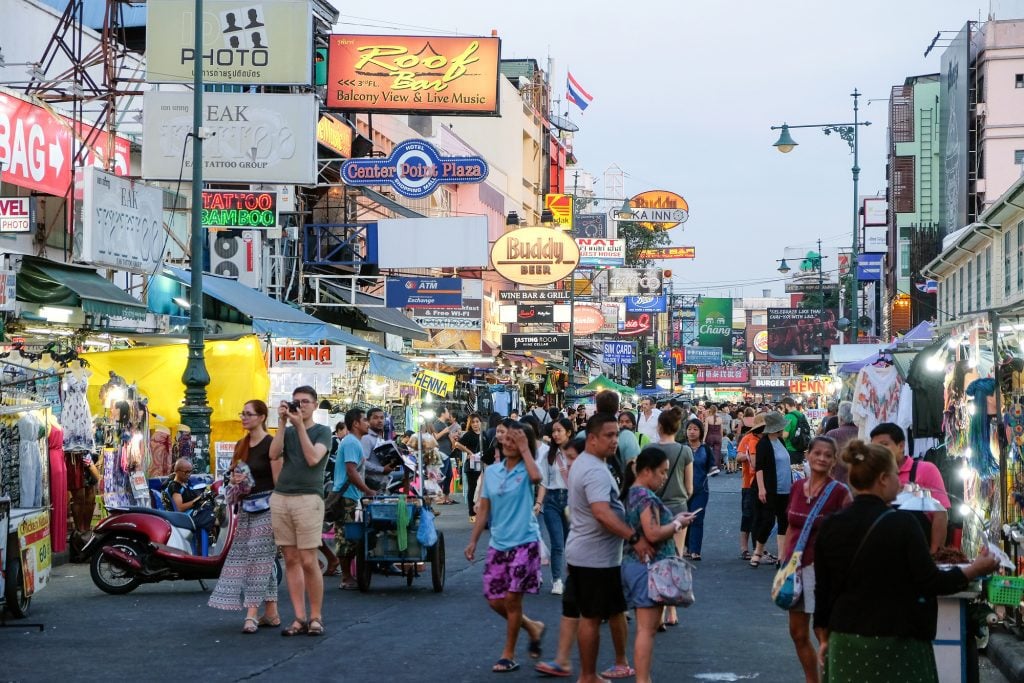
535,256
239,209
413,74
414,169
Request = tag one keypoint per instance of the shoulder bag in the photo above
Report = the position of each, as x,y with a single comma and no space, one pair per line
787,587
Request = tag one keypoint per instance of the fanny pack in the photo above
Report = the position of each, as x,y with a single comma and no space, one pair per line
259,502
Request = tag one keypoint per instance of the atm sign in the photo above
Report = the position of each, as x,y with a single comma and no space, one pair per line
239,209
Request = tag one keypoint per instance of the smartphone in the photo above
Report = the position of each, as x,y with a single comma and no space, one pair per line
694,512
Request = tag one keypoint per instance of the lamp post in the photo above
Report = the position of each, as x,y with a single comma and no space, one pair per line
849,133
196,411
817,264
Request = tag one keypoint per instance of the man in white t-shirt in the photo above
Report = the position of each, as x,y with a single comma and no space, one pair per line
647,420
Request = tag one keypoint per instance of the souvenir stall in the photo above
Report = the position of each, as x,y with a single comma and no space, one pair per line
122,437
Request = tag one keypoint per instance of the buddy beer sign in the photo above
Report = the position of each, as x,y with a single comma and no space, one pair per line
413,74
535,256
414,169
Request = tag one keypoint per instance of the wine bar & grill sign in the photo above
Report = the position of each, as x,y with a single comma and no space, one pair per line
239,209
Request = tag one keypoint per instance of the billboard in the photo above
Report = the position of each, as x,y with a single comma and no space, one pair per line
800,334
757,341
601,252
269,42
450,329
619,352
646,304
413,74
457,242
118,222
739,343
535,256
624,282
954,143
714,320
256,138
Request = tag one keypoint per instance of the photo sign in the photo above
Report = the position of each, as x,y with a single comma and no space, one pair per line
422,292
239,209
601,252
17,214
243,42
413,74
535,256
258,138
616,352
414,169
118,223
535,342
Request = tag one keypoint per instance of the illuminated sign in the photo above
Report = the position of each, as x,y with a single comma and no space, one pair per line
655,210
667,253
239,209
624,282
587,319
617,352
537,342
410,74
761,342
308,356
435,382
414,169
637,324
601,252
533,295
421,292
17,214
335,135
646,304
561,209
535,256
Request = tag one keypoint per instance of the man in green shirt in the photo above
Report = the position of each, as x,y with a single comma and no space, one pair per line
793,415
297,505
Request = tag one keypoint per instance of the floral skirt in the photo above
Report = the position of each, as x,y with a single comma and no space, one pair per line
516,570
249,576
868,659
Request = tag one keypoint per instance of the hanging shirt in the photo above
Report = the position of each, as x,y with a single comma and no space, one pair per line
876,397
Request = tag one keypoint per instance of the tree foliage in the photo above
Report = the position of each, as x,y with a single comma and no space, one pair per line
638,238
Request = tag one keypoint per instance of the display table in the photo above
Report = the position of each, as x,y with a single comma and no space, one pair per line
952,639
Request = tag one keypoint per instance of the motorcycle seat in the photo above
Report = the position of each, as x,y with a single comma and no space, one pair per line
180,520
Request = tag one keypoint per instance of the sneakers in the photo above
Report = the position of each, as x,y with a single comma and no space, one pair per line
714,472
557,587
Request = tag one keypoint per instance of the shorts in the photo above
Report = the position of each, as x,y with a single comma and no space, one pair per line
346,547
806,603
298,521
593,593
516,570
634,585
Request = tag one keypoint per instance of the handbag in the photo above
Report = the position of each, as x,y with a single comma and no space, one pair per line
670,582
670,472
259,502
788,585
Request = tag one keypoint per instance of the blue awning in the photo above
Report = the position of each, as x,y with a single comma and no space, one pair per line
272,317
400,370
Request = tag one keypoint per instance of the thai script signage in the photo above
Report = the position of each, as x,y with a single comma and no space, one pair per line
601,252
414,169
268,42
535,256
239,209
723,375
410,74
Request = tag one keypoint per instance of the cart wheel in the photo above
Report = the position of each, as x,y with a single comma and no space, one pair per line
363,568
437,570
17,603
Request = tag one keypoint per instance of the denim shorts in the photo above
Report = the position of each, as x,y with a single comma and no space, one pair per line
634,584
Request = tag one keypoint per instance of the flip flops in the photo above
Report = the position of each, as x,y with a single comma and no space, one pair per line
553,669
619,671
505,666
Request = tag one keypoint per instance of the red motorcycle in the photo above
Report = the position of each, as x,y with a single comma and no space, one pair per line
141,545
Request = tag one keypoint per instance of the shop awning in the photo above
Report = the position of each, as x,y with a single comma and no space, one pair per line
602,383
46,282
270,316
382,319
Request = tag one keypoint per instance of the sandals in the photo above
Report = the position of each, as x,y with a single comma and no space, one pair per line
755,560
263,621
534,647
250,625
315,627
505,666
695,557
297,628
619,671
745,555
554,670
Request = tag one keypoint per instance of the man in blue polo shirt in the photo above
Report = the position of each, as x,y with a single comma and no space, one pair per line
348,478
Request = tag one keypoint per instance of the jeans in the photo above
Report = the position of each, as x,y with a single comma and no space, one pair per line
446,472
695,536
557,525
471,479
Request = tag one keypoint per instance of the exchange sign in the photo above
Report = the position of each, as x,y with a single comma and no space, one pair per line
239,209
535,256
422,292
414,169
413,74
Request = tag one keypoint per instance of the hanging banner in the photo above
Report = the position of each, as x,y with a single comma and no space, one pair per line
413,74
8,290
646,304
452,329
601,252
414,169
239,209
437,383
252,138
17,214
422,292
118,222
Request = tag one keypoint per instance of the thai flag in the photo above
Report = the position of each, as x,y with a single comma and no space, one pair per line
928,287
575,93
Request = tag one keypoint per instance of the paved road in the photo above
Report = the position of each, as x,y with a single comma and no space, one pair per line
166,631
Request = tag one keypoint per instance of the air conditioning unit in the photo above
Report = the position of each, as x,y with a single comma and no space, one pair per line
237,254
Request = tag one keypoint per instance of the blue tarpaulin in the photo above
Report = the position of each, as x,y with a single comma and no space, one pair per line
384,366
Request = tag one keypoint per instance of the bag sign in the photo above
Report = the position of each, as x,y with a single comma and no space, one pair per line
535,256
414,169
239,209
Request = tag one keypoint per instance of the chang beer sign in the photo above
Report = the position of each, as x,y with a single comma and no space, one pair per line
714,317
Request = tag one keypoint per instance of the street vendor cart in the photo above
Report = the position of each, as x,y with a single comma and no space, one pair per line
25,556
388,541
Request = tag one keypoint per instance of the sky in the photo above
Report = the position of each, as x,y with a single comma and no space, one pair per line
685,93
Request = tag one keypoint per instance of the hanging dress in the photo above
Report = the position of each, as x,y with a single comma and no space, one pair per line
76,418
30,459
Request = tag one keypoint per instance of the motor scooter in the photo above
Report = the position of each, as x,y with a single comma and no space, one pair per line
140,545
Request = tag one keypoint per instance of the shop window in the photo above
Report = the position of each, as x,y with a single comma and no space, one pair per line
1018,80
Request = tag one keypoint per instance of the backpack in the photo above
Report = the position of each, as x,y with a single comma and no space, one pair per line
800,439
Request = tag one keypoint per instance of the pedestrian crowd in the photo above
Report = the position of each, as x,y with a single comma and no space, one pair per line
622,496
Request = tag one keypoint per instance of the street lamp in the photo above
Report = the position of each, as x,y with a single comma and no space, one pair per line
848,132
816,263
196,411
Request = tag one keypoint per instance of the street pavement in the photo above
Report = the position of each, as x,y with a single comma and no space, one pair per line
165,632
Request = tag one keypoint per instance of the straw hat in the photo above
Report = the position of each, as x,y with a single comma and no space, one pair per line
758,423
774,422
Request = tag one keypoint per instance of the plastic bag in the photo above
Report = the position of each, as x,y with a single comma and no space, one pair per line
426,534
545,554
